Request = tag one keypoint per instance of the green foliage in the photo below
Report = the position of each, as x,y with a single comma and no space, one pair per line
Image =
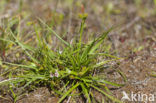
72,68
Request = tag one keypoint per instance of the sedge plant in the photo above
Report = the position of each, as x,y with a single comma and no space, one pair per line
65,71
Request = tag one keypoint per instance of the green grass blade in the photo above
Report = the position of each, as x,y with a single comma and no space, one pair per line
105,87
68,92
122,75
94,45
81,32
103,62
7,81
66,43
99,40
19,65
83,71
7,40
86,92
23,47
107,95
87,50
110,83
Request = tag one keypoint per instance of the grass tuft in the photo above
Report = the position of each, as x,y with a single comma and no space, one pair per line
73,68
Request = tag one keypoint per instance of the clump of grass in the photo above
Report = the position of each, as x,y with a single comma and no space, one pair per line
65,71
5,44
